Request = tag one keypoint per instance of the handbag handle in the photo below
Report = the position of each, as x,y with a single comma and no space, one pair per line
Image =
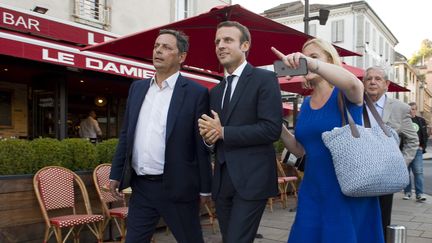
367,100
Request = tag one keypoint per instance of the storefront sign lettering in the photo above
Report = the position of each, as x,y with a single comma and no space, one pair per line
56,29
81,61
20,21
59,57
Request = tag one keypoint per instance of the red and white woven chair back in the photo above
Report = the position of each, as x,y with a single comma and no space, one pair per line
56,186
102,174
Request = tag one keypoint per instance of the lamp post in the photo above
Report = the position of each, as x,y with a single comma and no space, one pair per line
322,16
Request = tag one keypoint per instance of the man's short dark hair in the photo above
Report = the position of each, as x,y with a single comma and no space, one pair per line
412,103
182,38
245,34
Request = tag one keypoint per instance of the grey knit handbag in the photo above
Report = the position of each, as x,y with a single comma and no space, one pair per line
367,160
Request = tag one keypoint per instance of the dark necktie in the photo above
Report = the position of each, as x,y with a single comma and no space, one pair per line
227,97
220,151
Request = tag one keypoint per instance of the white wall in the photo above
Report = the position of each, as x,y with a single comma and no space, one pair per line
127,16
61,9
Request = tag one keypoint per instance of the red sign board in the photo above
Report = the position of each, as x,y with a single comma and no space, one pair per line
44,26
21,46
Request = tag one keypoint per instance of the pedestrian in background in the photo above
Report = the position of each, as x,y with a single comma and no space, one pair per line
89,127
161,154
324,213
416,166
395,114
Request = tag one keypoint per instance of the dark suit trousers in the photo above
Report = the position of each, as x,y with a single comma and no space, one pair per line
386,204
238,218
149,201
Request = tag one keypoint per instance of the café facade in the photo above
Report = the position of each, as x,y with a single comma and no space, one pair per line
48,84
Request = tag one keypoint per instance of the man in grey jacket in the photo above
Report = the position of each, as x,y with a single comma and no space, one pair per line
396,114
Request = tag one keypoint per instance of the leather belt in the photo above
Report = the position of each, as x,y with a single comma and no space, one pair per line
152,177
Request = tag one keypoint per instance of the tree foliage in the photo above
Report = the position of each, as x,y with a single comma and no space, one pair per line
424,52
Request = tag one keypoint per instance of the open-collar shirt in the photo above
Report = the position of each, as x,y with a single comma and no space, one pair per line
150,135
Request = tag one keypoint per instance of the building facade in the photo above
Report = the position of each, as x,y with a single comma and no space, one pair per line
48,84
354,26
424,70
120,17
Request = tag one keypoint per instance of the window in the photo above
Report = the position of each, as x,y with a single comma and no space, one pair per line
312,29
367,32
337,31
366,57
374,39
6,108
397,75
183,9
89,9
92,11
381,46
387,51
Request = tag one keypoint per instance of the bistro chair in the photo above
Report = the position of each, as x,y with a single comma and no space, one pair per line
283,182
54,188
117,214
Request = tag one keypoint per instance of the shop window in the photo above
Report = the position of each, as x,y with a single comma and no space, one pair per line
6,108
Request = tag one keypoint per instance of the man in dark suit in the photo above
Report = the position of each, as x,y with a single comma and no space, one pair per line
246,120
160,153
395,114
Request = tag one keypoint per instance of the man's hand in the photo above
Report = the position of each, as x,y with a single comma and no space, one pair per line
114,189
210,128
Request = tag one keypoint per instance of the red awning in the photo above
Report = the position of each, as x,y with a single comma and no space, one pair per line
295,85
38,49
201,31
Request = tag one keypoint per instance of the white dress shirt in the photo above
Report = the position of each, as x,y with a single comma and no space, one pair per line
379,106
148,156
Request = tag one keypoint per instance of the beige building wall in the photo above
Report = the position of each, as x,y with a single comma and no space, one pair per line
121,16
61,9
131,16
19,110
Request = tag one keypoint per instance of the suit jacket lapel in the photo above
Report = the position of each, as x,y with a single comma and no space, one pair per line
388,107
175,104
241,86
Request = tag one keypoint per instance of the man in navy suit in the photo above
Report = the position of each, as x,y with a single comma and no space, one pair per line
246,120
160,153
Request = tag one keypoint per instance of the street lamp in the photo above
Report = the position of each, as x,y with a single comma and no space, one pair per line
322,17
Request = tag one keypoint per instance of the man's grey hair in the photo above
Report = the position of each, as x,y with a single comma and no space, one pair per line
377,68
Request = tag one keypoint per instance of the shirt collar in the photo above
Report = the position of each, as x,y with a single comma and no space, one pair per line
170,81
380,103
238,70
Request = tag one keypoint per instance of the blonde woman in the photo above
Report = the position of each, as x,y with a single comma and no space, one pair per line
324,214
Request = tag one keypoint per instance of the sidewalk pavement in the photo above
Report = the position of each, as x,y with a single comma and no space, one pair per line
275,226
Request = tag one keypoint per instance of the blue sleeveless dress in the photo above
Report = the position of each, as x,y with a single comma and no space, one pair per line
324,214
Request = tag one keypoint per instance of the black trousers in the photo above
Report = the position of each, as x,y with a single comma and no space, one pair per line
238,218
386,204
149,202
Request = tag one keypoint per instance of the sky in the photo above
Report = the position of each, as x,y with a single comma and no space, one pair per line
409,21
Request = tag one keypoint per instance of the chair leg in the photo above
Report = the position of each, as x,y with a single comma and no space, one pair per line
47,234
58,234
270,202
